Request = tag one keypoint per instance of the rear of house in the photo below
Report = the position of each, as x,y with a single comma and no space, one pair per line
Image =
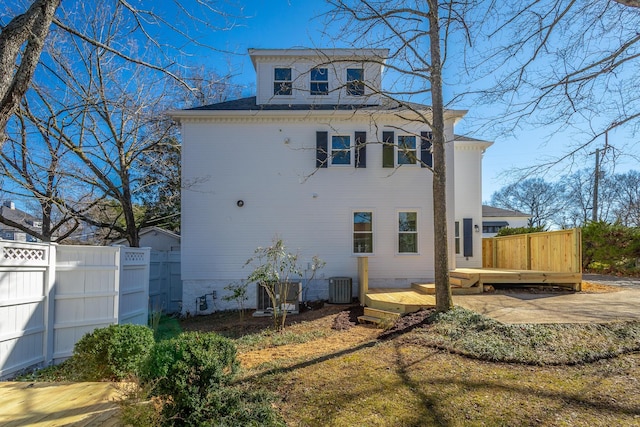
319,159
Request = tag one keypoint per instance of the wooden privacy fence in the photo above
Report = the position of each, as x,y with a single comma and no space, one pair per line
556,251
50,296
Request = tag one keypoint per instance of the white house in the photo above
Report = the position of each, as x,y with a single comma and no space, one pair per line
319,159
493,219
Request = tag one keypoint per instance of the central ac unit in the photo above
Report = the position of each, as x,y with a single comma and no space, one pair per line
291,303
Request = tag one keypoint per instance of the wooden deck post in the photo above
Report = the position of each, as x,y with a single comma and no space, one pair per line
363,278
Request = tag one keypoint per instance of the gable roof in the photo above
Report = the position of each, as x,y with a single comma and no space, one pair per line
147,230
18,216
490,211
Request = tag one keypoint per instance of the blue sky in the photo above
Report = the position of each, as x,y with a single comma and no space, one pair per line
299,23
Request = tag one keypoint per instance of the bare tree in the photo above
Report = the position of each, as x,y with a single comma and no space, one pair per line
21,43
558,65
107,115
536,197
22,39
627,208
414,32
33,164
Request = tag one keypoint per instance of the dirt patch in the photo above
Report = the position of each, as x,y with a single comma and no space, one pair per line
336,324
598,288
348,318
230,324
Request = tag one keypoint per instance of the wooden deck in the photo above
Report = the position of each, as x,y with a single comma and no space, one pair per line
58,404
496,276
464,281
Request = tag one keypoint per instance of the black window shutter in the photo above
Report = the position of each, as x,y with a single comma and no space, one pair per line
321,149
387,150
361,149
425,149
467,232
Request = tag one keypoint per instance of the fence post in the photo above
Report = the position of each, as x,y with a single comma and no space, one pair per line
363,278
50,304
116,283
528,250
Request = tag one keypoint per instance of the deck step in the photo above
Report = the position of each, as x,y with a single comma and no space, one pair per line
398,300
369,319
378,317
464,280
430,289
381,314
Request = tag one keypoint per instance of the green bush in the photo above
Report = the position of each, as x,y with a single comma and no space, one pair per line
189,369
610,248
112,353
508,231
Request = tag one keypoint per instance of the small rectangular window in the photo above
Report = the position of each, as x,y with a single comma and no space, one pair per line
355,81
457,236
340,150
407,232
319,81
282,81
362,232
407,150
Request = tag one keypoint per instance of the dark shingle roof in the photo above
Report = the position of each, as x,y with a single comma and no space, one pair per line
249,104
490,211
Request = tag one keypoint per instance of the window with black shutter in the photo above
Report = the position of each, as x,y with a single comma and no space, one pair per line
388,149
467,237
321,149
425,149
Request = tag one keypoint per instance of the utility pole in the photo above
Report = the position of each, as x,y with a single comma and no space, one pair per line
596,175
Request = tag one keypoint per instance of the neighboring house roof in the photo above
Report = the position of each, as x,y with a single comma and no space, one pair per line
148,230
17,216
490,211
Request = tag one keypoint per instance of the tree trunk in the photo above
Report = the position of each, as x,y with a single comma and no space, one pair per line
444,301
31,27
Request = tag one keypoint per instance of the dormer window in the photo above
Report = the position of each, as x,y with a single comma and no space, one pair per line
319,81
355,81
282,81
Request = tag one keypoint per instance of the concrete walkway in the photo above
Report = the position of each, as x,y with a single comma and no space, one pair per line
560,307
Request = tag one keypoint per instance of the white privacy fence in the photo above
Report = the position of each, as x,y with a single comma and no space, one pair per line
165,282
50,296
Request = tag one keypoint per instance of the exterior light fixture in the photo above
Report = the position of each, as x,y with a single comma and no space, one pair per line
240,203
477,228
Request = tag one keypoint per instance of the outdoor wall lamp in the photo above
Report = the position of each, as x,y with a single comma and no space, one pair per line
240,203
477,228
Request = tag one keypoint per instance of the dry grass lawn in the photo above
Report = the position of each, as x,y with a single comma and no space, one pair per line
326,377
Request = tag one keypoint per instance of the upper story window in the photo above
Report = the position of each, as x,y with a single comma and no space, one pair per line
282,81
340,150
363,232
407,150
319,81
355,81
407,232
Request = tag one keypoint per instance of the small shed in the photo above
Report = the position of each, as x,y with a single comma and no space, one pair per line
157,239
